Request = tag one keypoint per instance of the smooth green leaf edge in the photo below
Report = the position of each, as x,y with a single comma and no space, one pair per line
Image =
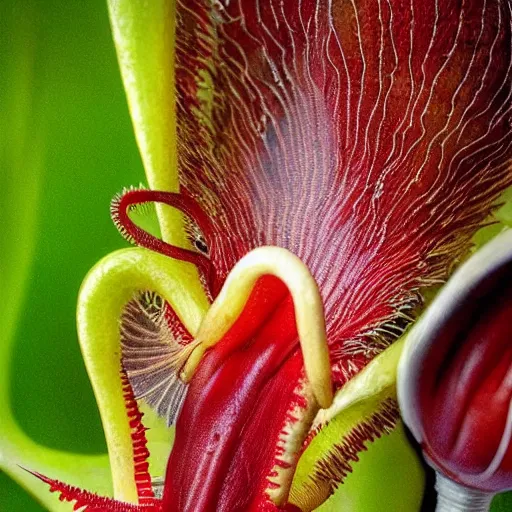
143,34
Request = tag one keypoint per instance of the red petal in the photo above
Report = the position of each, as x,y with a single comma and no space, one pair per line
231,433
467,398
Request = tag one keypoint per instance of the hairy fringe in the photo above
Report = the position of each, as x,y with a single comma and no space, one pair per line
86,501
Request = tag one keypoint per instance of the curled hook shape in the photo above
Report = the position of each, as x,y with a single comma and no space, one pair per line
119,211
309,313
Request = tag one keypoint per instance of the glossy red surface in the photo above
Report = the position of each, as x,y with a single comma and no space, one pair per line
229,426
467,399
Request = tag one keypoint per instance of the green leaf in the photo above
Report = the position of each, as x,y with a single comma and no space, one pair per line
371,487
22,154
502,503
393,479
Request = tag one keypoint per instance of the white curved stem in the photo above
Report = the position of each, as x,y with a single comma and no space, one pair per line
454,497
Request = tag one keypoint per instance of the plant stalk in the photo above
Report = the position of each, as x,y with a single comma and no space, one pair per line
454,497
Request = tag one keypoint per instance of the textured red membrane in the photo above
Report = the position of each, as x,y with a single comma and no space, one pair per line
469,392
235,409
368,137
86,501
139,443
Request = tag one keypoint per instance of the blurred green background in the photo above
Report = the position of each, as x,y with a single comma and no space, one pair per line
66,146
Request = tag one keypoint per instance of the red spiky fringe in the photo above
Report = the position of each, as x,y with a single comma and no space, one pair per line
91,502
120,205
86,501
338,464
139,443
331,470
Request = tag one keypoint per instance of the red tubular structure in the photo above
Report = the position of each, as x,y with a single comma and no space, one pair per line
119,211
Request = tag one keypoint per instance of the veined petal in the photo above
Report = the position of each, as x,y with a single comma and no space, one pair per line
292,131
362,135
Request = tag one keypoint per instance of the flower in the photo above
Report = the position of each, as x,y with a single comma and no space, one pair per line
291,132
454,380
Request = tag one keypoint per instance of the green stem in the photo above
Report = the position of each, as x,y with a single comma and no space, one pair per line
144,38
107,288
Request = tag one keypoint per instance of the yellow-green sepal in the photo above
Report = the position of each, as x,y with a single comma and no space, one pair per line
107,288
144,38
355,405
